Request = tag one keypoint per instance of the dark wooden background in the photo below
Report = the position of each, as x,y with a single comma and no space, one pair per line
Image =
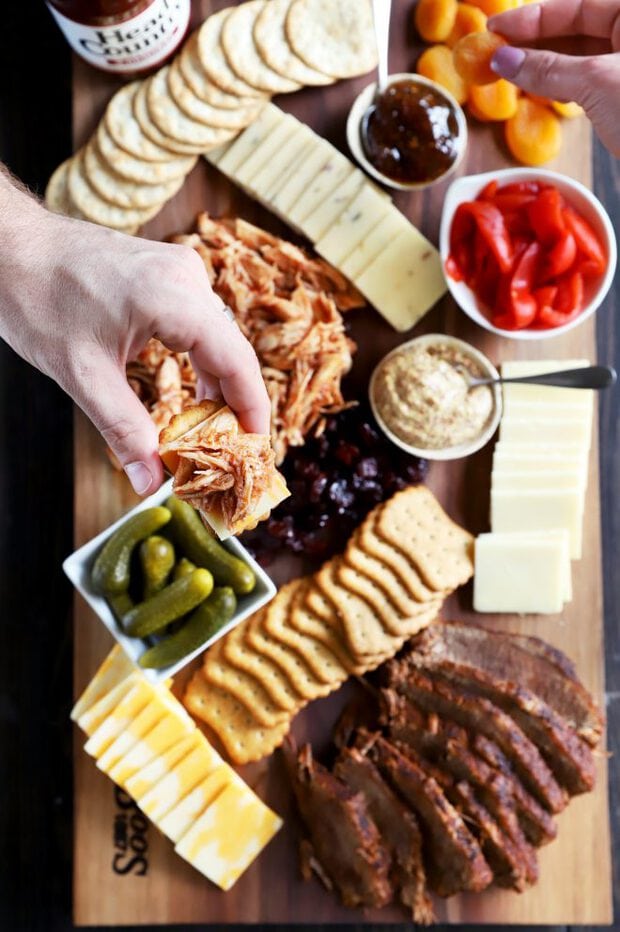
36,525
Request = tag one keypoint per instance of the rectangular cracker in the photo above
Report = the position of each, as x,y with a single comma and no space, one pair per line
373,544
292,663
414,522
382,576
244,687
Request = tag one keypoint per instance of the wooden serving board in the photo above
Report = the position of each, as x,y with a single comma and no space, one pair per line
125,872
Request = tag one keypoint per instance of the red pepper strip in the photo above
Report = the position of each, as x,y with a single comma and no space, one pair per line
586,239
488,192
522,187
492,226
588,268
523,305
547,217
560,258
510,202
570,293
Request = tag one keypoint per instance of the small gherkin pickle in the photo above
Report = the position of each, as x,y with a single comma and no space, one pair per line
173,602
203,623
120,603
157,559
183,568
195,541
110,573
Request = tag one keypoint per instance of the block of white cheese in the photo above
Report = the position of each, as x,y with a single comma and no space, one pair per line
181,817
539,510
178,782
512,479
297,179
228,835
315,223
362,215
144,779
515,407
273,143
544,394
270,178
168,732
550,429
246,143
405,280
115,668
120,718
520,573
541,453
332,173
369,247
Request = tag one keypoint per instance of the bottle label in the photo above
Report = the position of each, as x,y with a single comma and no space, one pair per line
133,45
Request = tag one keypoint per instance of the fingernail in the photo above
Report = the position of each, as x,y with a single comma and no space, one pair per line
140,477
507,61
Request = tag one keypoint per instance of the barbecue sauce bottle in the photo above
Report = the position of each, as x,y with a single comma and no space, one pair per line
122,36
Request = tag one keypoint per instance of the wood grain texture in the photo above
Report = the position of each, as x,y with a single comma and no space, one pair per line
575,883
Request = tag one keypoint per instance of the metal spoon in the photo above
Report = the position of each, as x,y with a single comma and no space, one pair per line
588,377
381,15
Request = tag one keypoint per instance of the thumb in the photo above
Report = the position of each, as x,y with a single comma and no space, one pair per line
545,73
124,424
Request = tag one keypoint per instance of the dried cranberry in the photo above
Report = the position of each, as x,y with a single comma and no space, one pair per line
340,493
347,453
318,487
367,468
368,434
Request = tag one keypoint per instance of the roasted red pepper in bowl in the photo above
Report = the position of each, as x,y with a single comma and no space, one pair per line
525,253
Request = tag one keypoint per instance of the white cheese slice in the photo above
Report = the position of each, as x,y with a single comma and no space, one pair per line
297,179
333,172
319,220
90,720
120,718
288,154
519,574
511,479
165,734
181,817
144,779
544,394
517,407
116,667
242,147
405,280
367,250
362,215
540,510
550,429
179,781
229,835
277,139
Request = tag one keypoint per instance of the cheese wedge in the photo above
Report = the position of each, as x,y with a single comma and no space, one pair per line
243,145
179,781
369,247
90,720
521,573
540,510
115,668
120,718
362,215
143,780
167,732
227,837
405,280
181,817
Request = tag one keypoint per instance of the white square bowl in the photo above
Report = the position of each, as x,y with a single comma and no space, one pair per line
79,565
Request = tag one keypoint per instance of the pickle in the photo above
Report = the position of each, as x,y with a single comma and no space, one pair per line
171,603
183,568
202,624
120,603
203,550
110,572
157,560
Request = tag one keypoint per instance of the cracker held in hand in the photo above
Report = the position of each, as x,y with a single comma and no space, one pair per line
336,38
229,475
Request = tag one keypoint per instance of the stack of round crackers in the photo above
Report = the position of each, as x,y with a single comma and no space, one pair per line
153,130
356,612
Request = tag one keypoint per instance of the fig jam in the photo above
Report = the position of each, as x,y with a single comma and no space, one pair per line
412,133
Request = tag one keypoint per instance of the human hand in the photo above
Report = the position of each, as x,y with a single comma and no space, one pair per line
78,301
592,80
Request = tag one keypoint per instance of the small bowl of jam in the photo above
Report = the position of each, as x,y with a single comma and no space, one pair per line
414,135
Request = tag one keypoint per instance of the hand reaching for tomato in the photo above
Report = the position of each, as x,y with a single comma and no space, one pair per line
592,81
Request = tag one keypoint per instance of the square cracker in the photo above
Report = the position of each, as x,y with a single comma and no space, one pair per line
324,664
374,545
415,523
271,676
243,686
242,737
363,631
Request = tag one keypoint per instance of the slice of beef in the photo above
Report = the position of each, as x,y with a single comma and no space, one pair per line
345,840
398,827
530,662
539,827
568,755
432,694
456,862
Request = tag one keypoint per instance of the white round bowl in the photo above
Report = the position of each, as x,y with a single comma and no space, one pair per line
468,187
361,104
459,450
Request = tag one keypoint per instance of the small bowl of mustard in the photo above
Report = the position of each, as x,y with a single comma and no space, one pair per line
415,133
421,399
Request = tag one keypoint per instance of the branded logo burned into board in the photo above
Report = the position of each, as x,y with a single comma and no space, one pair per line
130,837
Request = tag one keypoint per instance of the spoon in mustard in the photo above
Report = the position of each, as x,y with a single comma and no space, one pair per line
593,377
381,10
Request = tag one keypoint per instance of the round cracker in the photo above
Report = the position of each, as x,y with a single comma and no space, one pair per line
95,208
200,83
274,48
57,192
125,130
242,54
204,113
171,120
134,169
149,128
119,191
335,38
213,61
